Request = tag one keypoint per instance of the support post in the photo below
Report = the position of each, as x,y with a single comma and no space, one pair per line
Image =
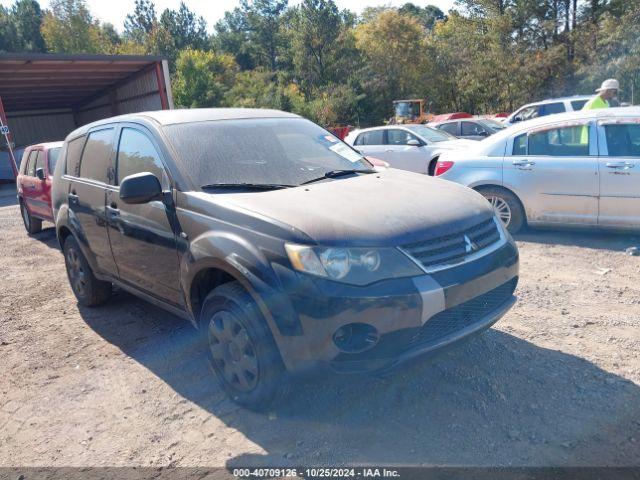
161,87
9,139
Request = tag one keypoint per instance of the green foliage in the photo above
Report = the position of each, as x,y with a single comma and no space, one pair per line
69,28
27,17
618,53
427,16
252,33
483,56
8,33
393,46
322,44
202,78
140,24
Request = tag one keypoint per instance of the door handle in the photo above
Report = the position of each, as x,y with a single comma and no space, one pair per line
388,151
113,211
620,165
523,163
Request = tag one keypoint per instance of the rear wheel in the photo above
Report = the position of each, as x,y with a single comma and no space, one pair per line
86,287
31,224
507,207
241,349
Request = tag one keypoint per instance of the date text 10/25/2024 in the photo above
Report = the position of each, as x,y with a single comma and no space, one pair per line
365,472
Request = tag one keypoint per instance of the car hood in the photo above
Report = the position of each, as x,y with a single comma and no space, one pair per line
387,208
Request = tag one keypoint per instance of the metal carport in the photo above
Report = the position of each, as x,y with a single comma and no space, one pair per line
43,97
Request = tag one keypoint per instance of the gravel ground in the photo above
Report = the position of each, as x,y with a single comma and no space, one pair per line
555,382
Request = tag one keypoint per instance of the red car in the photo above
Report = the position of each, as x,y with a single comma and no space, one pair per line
34,184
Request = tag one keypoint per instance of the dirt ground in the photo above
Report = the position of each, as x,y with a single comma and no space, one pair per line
556,382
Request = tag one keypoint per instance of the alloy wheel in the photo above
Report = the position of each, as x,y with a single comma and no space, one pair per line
233,352
502,209
77,273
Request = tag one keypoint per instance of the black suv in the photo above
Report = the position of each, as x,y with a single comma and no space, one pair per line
281,243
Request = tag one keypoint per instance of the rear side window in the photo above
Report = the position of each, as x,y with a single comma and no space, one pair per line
137,154
528,113
23,162
74,150
551,108
578,104
54,153
560,142
374,137
30,168
451,128
95,156
40,160
399,137
471,128
623,139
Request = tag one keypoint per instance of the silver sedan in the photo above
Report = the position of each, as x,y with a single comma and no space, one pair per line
578,169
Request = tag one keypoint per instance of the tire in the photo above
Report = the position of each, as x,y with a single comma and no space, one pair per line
432,166
241,349
31,224
506,204
89,291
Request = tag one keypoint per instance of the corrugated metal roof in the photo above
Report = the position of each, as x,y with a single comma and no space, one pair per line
45,81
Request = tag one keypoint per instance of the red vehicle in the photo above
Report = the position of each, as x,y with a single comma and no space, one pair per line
34,184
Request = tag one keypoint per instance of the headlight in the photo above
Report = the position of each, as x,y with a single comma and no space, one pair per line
357,266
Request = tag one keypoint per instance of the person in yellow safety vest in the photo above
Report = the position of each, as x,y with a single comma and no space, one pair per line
607,91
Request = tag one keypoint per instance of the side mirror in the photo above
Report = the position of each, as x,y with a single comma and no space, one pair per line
413,143
40,173
140,188
484,133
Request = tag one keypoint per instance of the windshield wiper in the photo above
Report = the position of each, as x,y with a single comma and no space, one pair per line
252,186
336,173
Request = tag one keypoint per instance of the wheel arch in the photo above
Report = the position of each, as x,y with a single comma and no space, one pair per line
484,186
208,277
63,233
432,164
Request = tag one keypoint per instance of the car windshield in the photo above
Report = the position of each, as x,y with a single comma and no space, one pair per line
407,109
430,134
272,151
491,124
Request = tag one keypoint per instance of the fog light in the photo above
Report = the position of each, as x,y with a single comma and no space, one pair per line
355,337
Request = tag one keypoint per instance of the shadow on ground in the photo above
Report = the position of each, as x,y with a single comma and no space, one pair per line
497,400
47,236
597,239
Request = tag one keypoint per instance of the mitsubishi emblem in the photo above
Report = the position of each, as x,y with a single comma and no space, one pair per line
469,246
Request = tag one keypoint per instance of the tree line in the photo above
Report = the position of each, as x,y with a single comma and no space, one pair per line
336,67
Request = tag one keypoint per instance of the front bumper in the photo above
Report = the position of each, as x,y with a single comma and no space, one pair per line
413,316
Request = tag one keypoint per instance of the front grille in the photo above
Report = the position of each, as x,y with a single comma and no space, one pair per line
454,247
463,315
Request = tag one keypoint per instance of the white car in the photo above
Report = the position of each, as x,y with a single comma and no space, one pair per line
575,169
407,147
548,107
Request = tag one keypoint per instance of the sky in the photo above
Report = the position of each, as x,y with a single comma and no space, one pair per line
115,11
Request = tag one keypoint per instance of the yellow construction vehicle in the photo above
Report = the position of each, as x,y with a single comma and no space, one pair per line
410,111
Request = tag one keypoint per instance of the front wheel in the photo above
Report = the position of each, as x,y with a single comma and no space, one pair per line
507,207
241,349
31,224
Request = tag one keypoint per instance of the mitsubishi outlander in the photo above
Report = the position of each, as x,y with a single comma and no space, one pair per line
283,245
